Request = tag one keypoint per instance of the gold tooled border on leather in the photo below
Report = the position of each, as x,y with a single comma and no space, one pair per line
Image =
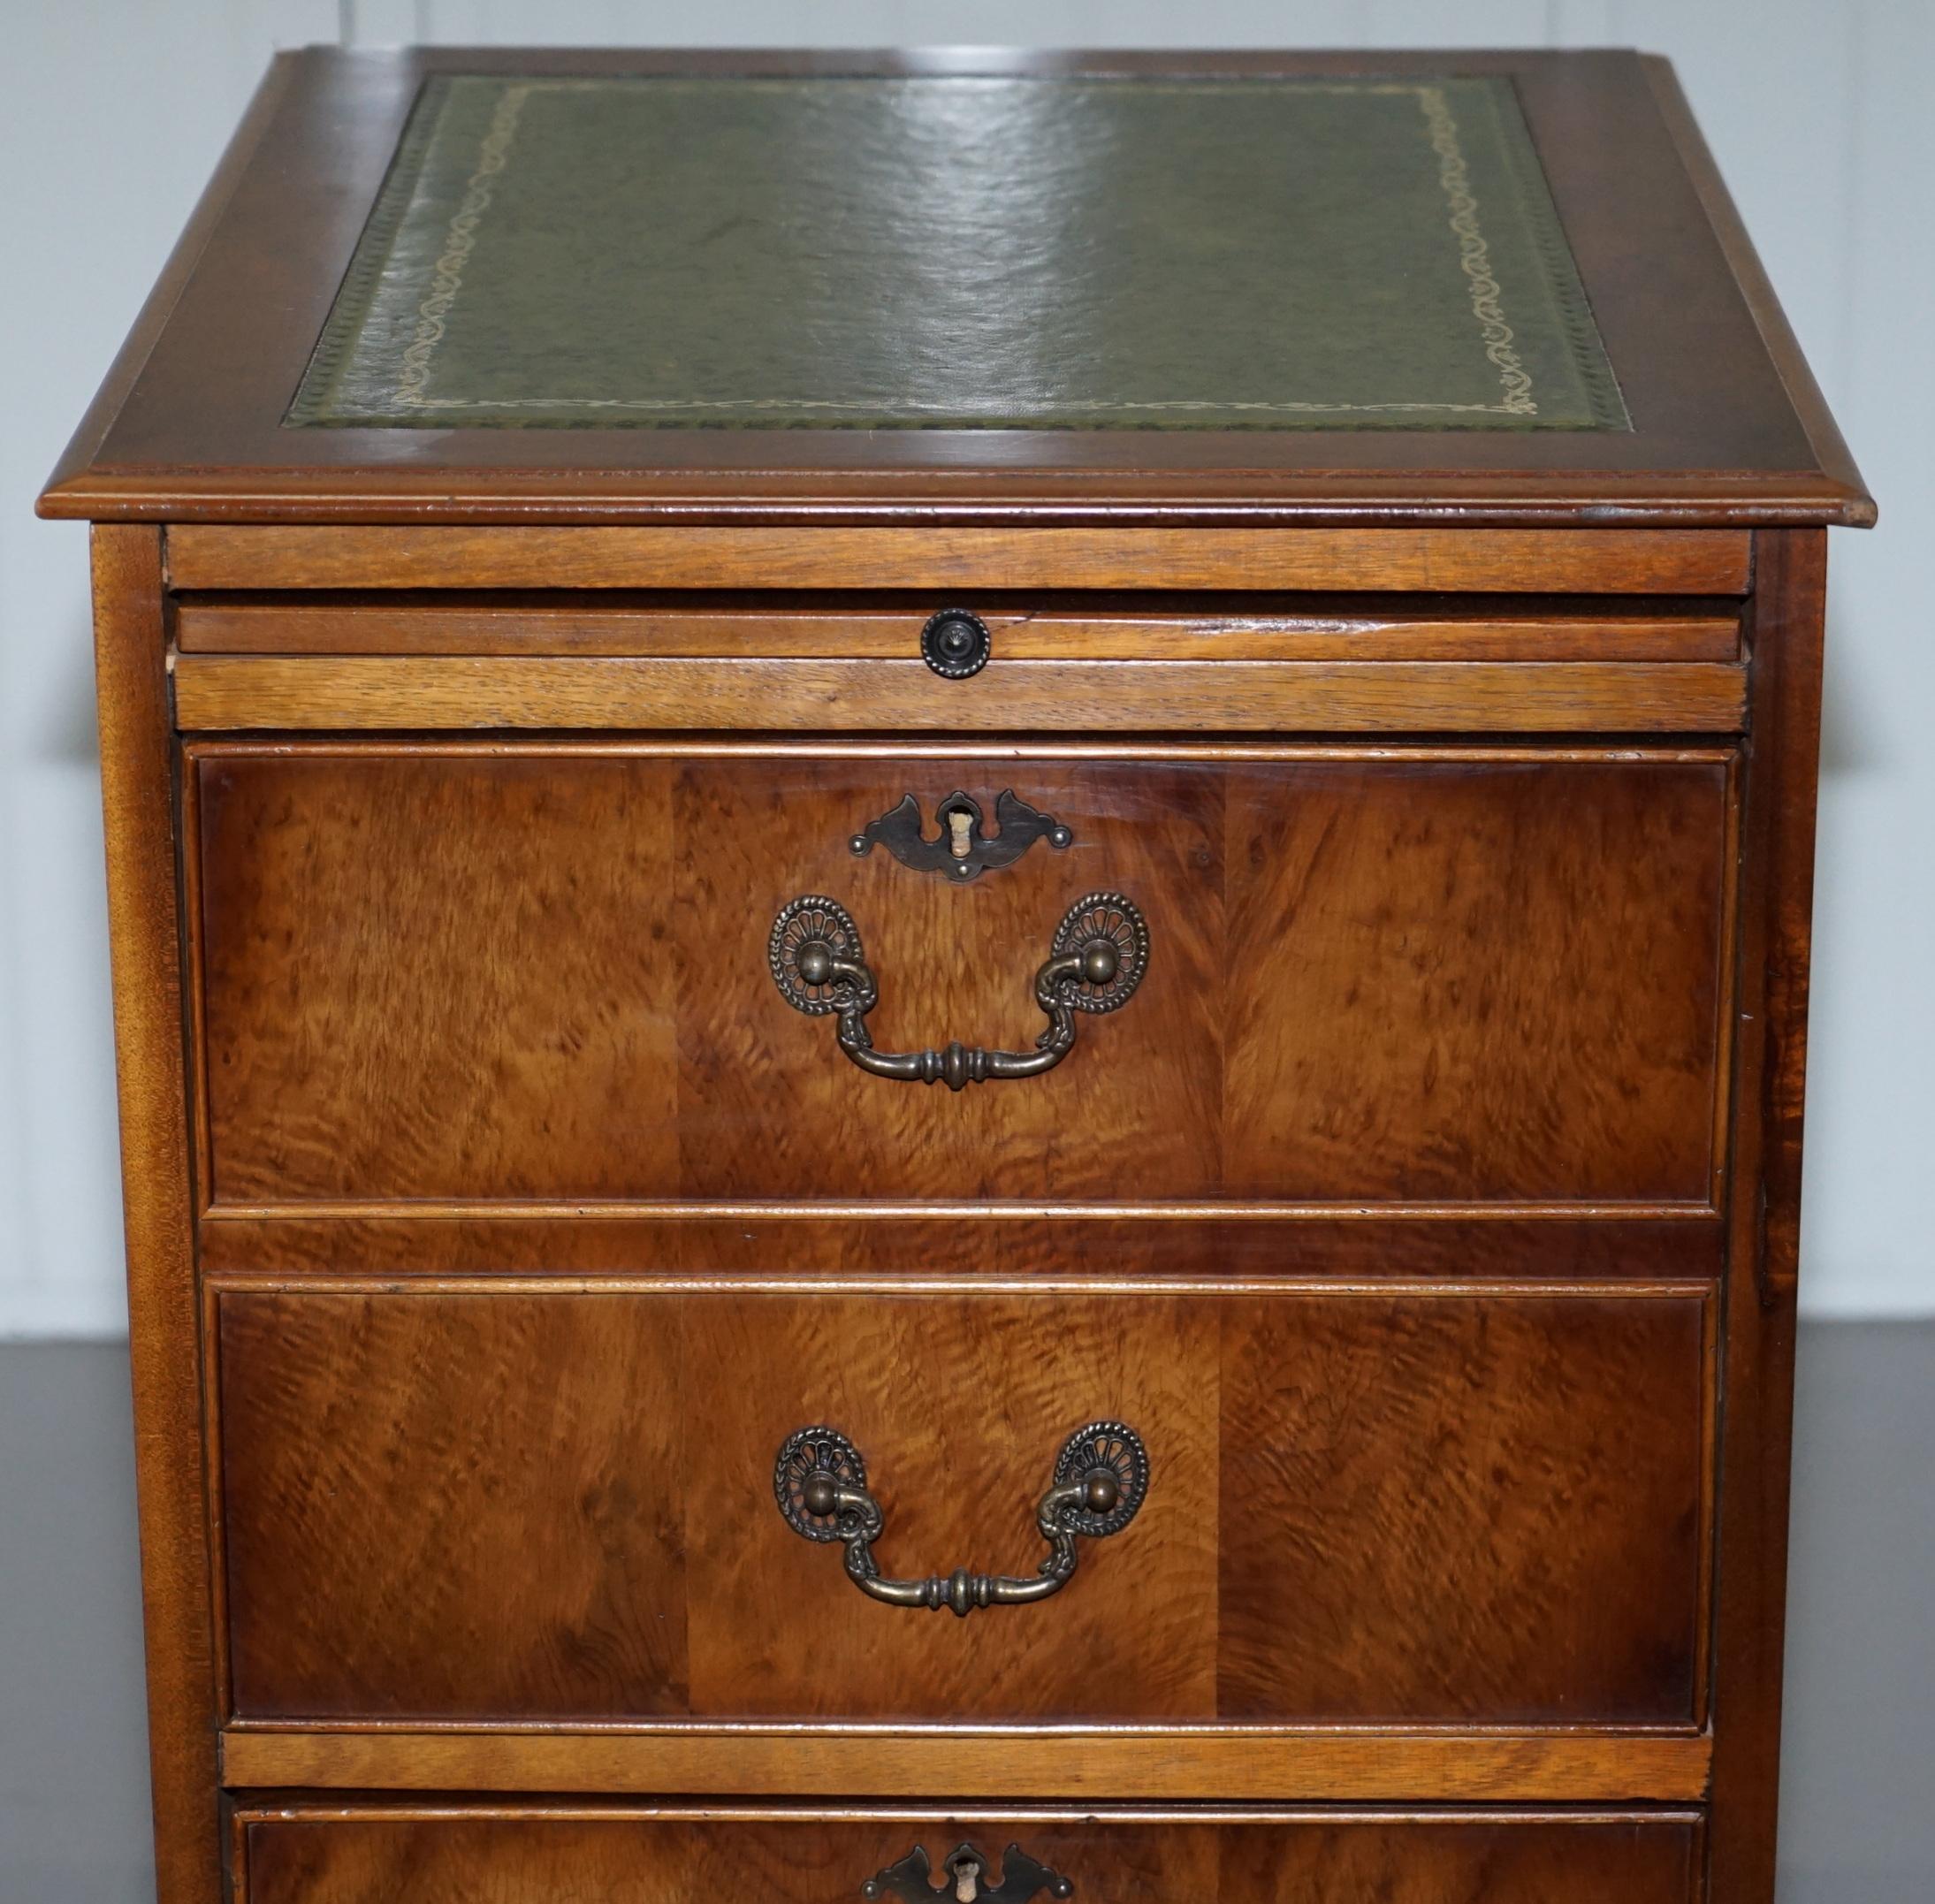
350,311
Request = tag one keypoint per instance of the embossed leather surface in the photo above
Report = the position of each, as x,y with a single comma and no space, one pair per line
902,253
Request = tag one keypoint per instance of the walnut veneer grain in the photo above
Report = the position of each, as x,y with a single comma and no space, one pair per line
503,1857
1374,1508
1433,977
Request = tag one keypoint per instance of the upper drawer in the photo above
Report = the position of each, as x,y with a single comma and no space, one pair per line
543,972
1040,661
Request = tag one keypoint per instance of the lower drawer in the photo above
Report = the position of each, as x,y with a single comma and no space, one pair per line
513,1856
1407,1505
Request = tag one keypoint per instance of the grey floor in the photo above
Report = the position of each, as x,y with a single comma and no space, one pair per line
1858,1819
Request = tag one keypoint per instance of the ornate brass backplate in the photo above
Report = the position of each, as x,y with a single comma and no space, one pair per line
961,851
911,1879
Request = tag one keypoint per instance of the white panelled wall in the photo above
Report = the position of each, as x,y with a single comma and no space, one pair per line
117,111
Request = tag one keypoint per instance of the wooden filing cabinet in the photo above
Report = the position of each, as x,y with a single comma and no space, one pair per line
960,914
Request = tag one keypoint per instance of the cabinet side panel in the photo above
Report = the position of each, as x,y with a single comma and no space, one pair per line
1757,1392
138,795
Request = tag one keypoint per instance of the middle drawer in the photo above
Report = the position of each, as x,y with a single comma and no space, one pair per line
543,970
1400,1504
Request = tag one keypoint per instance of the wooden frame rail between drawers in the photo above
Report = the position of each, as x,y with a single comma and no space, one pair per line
1040,1762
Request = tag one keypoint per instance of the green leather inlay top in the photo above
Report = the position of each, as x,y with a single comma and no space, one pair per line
1073,254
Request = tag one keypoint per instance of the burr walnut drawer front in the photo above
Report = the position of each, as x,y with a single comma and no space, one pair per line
1246,1505
521,1855
574,971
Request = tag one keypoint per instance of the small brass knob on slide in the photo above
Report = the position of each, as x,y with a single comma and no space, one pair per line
955,644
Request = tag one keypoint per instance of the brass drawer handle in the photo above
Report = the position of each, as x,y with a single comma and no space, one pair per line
911,1880
1100,953
1100,1478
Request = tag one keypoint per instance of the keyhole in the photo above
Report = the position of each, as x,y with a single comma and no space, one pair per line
960,833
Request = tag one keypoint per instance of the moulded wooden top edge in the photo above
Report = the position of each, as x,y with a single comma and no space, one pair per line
369,497
1730,428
